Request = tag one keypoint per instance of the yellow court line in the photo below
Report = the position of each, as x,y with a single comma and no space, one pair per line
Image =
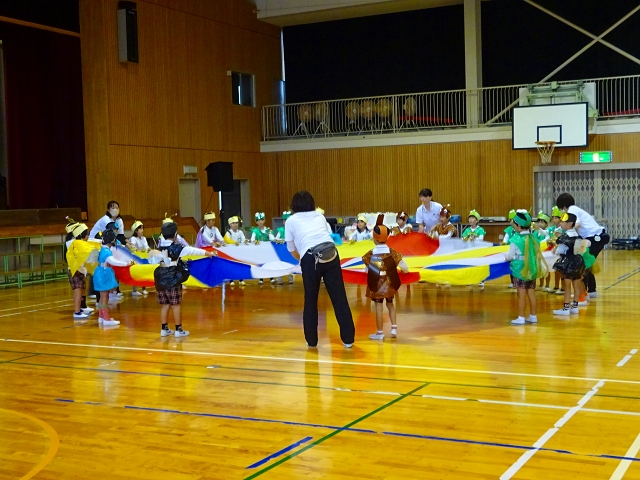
319,361
54,442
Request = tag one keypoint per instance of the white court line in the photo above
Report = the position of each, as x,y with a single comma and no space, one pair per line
513,469
34,305
38,310
224,333
328,362
623,361
634,351
624,464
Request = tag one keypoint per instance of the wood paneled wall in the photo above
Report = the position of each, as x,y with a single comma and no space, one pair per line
144,121
488,176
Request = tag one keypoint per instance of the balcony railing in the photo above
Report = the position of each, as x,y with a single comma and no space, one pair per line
483,107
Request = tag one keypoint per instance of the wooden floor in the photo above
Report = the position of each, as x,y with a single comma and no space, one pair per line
459,394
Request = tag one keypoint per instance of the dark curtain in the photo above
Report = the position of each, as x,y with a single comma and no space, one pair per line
45,129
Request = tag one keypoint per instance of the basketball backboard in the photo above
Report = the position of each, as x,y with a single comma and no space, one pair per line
567,124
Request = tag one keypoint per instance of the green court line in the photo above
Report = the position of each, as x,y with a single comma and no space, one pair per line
335,432
288,372
627,276
21,358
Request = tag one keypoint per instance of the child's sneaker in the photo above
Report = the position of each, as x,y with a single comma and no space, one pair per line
232,283
291,280
280,282
376,336
136,294
182,333
348,345
518,321
144,291
511,285
563,311
93,297
584,303
242,283
481,285
87,310
260,282
110,322
80,315
394,331
575,310
532,319
166,332
593,294
559,292
272,281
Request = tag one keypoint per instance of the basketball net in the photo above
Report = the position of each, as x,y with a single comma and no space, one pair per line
545,149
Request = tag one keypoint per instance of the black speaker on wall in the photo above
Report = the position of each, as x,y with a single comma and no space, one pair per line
220,176
127,32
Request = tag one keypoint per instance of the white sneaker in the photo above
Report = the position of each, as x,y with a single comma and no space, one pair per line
242,283
232,283
518,321
119,294
92,297
348,345
291,280
563,311
88,310
273,280
559,292
593,294
166,333
182,333
110,322
532,319
100,320
144,292
260,282
584,303
80,316
280,282
184,287
136,294
394,331
481,285
574,310
375,336
511,285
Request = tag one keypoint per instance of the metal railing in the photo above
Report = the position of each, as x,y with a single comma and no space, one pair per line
483,107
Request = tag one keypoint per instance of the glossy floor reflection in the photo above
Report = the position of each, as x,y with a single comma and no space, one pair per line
459,394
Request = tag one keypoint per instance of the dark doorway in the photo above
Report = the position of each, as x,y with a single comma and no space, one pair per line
231,205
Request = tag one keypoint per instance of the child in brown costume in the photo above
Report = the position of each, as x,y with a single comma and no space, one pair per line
383,280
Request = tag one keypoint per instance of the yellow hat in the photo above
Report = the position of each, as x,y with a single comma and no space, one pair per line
209,216
167,219
78,229
235,219
320,210
70,225
136,224
363,218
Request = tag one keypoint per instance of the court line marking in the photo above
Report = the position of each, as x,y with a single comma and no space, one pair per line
34,305
279,452
232,331
353,430
626,277
38,310
627,357
625,464
320,387
21,358
524,458
319,361
54,442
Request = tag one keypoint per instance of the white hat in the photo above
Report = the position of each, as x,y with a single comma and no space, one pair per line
136,225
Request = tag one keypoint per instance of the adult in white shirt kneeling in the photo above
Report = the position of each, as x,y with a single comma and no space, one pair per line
309,241
589,229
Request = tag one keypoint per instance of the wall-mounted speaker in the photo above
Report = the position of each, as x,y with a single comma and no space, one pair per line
127,32
220,176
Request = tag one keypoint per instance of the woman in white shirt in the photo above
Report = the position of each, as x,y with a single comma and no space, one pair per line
112,215
427,214
309,241
589,229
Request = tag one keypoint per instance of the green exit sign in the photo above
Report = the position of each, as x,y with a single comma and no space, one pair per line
596,157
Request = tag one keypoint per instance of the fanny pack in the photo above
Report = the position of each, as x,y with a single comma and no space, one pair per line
324,252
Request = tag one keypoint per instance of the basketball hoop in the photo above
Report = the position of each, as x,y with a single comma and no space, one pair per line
545,149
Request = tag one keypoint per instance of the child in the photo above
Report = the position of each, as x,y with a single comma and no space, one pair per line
473,231
235,236
260,233
209,235
444,229
104,279
162,242
138,243
383,281
508,233
571,264
527,264
542,234
280,231
80,232
403,225
361,232
172,298
554,233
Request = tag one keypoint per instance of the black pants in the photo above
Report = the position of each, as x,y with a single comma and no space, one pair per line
332,275
595,249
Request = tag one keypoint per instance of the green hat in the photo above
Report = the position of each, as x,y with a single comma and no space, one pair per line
543,216
259,216
522,218
286,214
512,213
555,212
474,213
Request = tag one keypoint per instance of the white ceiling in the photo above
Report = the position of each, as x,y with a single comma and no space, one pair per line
296,12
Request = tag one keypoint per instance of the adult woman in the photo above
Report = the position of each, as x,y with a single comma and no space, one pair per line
589,229
309,241
112,215
428,214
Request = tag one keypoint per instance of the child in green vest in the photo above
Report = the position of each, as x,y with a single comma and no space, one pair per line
527,265
554,233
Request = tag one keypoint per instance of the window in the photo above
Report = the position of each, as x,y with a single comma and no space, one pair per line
242,89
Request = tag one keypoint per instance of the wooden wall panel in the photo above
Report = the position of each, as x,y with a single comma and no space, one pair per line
488,176
145,121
